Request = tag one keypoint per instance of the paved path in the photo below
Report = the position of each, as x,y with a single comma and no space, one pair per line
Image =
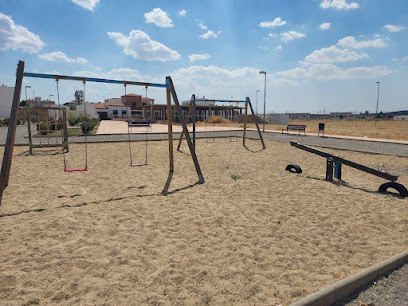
398,148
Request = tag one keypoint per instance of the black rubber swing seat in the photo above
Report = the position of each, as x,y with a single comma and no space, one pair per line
394,185
293,168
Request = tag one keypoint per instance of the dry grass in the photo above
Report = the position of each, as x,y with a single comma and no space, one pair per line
386,129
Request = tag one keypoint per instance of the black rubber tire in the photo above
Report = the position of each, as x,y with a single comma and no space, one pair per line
397,186
293,168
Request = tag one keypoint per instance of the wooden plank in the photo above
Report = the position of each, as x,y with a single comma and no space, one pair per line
185,130
182,133
346,162
256,123
194,120
11,132
245,124
30,141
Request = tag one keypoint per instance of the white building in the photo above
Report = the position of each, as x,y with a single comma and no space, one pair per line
400,117
6,99
282,119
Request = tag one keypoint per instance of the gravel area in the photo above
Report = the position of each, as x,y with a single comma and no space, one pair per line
395,149
389,289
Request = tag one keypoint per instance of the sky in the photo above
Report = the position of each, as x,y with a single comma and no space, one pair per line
319,56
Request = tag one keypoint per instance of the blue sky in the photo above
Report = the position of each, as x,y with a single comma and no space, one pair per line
319,55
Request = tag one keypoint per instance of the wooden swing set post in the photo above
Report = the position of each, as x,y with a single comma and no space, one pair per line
169,83
256,123
11,132
30,141
190,107
245,124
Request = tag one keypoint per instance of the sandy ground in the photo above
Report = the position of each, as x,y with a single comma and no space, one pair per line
120,127
107,236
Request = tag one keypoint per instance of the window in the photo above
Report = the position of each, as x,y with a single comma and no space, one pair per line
115,112
134,104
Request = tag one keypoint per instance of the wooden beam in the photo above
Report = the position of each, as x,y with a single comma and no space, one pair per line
190,107
256,123
245,124
169,81
11,132
346,162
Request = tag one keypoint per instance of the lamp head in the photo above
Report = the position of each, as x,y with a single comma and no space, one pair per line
28,86
378,82
262,72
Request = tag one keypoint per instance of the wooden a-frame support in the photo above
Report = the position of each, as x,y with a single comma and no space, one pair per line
191,108
172,92
11,132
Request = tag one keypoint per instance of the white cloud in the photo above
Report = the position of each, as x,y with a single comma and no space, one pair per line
334,55
325,26
114,74
333,72
405,58
182,13
278,22
59,56
286,36
202,25
339,4
14,36
394,28
87,4
278,48
210,34
198,57
139,45
351,42
159,18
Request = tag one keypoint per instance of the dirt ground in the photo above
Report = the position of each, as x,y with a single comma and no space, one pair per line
253,233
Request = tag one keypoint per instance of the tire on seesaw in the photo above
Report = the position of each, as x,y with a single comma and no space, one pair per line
293,168
394,185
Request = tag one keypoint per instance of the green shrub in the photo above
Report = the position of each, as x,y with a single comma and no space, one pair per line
73,120
87,124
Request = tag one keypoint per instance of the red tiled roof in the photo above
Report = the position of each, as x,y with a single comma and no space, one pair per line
99,106
115,104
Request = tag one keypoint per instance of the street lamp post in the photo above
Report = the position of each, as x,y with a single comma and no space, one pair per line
49,97
256,103
28,86
378,97
263,128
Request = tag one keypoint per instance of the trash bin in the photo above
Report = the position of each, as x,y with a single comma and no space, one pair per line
321,128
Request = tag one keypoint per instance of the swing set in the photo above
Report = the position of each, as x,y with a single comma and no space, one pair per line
170,93
230,115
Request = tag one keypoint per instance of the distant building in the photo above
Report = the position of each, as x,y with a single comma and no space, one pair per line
282,119
38,102
6,99
200,103
341,115
130,105
299,116
400,117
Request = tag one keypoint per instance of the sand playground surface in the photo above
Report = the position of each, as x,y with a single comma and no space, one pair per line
253,234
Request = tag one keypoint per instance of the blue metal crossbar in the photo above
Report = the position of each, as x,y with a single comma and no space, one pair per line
76,78
217,100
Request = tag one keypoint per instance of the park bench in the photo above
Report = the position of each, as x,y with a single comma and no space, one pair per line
295,127
139,123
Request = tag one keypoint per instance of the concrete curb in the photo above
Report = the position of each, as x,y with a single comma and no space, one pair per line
339,290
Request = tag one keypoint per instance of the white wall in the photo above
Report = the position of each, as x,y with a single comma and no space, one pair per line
6,99
90,110
279,119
